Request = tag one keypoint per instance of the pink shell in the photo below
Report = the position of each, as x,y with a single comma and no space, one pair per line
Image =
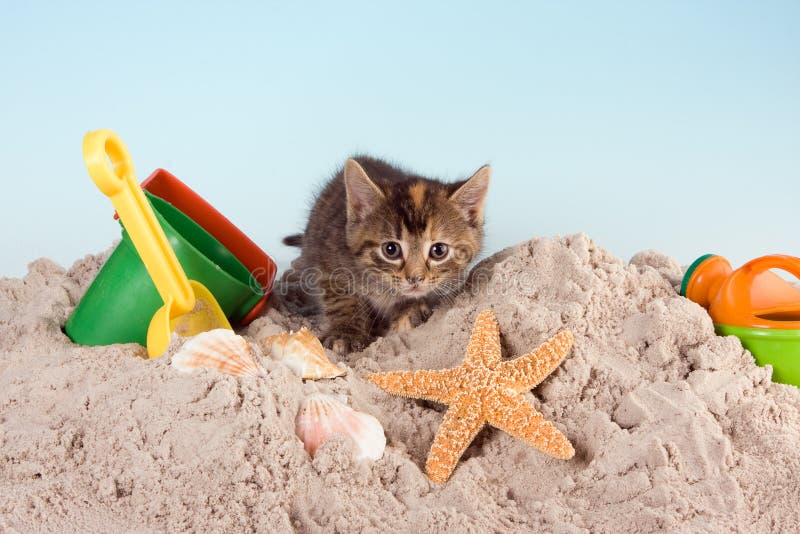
322,416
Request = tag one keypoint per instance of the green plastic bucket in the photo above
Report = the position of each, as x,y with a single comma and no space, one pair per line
778,348
122,299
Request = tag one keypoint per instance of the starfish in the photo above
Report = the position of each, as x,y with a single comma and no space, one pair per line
484,389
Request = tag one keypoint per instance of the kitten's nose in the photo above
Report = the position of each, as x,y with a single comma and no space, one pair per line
415,278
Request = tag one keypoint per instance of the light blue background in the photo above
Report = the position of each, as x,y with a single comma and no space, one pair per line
667,125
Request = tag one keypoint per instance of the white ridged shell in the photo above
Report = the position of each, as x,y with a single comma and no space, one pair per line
219,349
322,416
301,352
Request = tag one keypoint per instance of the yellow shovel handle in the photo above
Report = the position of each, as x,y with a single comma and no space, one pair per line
110,166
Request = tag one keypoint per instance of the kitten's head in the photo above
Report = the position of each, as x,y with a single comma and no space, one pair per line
417,236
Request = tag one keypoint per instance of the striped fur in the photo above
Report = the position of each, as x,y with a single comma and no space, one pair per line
367,204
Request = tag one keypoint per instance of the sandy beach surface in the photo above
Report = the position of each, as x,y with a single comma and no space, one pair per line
674,427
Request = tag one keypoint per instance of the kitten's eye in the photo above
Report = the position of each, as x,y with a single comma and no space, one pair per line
438,251
391,250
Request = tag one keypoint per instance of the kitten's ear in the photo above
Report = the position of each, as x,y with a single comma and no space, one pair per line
471,196
363,196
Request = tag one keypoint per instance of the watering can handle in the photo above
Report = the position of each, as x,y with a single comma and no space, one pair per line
733,303
110,165
753,268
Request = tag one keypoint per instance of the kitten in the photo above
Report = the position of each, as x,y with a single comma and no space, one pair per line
383,246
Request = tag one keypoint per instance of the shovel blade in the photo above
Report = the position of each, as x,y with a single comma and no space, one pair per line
206,315
159,330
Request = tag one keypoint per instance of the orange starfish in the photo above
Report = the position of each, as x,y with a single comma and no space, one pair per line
484,389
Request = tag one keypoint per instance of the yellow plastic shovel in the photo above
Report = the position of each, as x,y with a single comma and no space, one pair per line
189,307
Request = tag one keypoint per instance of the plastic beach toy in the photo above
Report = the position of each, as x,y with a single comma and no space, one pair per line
167,187
754,304
188,306
118,305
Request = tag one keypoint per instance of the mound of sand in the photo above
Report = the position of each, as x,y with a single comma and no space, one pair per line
674,427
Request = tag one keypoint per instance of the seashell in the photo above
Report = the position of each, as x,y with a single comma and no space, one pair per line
322,416
219,349
301,352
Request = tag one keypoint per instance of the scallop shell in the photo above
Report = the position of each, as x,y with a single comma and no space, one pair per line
322,416
302,352
219,349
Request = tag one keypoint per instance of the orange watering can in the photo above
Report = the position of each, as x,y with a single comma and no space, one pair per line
754,304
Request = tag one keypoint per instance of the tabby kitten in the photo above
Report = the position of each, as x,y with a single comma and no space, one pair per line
383,246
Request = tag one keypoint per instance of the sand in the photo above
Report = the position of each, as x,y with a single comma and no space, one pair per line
675,428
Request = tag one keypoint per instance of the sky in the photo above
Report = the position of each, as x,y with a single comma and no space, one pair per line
647,125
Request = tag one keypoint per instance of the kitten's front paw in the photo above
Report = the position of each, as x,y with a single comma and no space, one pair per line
411,318
345,341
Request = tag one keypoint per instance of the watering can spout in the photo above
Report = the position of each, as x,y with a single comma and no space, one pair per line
704,278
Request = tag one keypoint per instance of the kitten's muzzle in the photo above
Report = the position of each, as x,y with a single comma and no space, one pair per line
415,279
416,286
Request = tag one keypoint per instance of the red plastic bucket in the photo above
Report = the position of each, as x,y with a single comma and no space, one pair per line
166,186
